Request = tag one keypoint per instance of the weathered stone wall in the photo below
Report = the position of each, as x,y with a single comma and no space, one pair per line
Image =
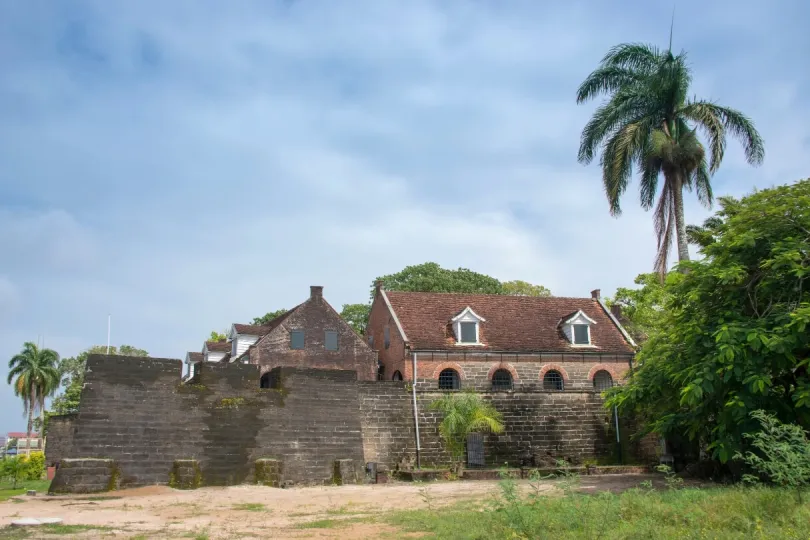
136,412
315,317
58,438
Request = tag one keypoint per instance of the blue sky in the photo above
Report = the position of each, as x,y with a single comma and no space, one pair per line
184,165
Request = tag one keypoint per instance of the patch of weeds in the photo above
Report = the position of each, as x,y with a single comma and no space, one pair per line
250,507
198,534
332,523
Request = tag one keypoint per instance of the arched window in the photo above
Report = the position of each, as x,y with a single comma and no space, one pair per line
552,380
397,376
602,380
448,380
502,380
266,381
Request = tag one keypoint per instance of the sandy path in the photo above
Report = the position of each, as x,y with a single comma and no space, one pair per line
162,512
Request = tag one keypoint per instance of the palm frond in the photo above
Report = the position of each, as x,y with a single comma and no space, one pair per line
734,122
702,179
634,56
606,80
625,107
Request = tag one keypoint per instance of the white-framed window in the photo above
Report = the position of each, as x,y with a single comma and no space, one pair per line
467,327
577,329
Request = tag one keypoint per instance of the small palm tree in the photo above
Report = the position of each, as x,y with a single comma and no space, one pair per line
649,123
465,413
35,376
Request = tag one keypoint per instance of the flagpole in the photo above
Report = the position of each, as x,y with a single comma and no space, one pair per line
108,333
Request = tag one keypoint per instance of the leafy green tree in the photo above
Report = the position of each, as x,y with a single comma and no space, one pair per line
648,122
35,376
71,373
430,277
733,336
357,316
464,413
269,316
642,308
14,469
217,336
523,288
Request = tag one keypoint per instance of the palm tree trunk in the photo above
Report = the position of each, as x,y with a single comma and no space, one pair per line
42,420
680,225
31,405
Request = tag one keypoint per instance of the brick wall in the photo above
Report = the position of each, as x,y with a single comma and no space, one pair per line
59,438
135,411
527,370
393,357
315,317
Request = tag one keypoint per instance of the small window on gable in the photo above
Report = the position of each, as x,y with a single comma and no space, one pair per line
234,346
582,335
330,340
387,337
297,339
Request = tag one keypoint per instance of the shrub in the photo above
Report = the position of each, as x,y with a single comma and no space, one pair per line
782,453
35,466
464,413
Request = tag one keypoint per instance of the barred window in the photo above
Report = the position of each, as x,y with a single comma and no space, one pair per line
602,380
448,380
502,380
552,380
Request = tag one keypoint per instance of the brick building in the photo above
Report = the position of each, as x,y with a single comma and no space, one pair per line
498,343
310,335
26,443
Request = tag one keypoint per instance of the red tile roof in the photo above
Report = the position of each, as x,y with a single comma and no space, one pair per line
22,435
513,323
252,329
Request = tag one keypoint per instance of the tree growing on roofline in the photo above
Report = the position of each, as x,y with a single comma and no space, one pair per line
649,122
733,335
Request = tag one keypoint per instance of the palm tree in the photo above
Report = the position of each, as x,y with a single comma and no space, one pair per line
35,376
649,123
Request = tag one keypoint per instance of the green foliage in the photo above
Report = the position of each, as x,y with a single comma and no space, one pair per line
649,123
357,316
464,413
523,288
71,373
739,513
18,469
217,336
781,453
35,376
269,316
642,309
733,336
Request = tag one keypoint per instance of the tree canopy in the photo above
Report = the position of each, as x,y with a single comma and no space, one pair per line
650,123
642,308
269,316
34,375
733,335
71,373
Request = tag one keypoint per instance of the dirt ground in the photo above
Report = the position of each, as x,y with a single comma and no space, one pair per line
255,511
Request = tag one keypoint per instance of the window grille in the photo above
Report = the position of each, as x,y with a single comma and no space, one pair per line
448,380
502,380
602,381
552,380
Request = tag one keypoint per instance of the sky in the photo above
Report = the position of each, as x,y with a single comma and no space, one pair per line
189,164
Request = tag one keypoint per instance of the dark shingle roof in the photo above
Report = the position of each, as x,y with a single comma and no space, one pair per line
194,357
513,323
251,329
218,346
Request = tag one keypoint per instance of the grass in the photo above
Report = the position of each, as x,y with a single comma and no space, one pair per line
332,523
6,490
46,531
725,513
250,507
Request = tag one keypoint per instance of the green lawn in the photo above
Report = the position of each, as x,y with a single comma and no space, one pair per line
722,513
7,492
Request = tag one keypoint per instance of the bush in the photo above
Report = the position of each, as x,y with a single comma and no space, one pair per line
14,470
35,466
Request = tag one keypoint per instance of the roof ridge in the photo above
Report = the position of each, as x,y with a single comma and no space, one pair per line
553,297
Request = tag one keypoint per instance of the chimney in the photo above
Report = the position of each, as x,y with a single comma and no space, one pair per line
378,286
596,294
316,292
616,310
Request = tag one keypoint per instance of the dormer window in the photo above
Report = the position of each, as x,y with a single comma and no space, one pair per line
467,327
577,328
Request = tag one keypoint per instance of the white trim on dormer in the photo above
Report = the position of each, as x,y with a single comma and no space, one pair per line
577,317
467,316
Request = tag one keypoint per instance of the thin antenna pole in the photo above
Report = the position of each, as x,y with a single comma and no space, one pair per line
671,27
108,333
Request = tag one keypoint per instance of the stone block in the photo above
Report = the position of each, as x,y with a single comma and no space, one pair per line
185,474
268,472
86,475
344,472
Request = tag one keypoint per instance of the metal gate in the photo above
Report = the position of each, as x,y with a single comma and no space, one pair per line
475,450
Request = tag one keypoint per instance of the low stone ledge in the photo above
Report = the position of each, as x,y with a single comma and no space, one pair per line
423,475
86,475
267,472
344,472
185,474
